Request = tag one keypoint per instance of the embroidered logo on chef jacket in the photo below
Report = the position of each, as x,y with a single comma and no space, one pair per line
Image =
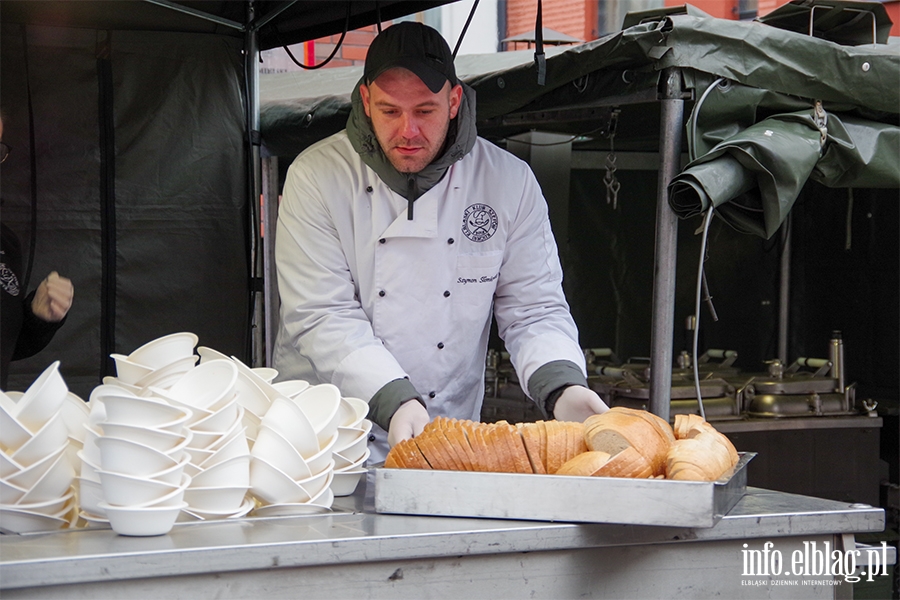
8,279
479,222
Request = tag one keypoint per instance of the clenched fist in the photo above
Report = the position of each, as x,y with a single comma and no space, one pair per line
53,298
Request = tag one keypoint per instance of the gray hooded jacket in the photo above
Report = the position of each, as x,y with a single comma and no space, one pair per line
461,137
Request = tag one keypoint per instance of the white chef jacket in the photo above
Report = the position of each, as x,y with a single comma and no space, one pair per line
368,296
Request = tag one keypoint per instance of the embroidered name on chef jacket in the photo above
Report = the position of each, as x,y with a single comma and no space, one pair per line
479,222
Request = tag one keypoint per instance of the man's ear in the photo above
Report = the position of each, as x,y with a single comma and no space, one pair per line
364,95
455,100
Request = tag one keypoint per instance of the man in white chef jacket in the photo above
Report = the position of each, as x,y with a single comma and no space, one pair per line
399,235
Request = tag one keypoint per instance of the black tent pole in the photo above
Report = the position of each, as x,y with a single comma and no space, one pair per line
251,72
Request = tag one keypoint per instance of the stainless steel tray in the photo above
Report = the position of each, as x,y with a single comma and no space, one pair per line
560,498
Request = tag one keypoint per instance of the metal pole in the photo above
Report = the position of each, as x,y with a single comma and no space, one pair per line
270,218
784,291
251,58
662,324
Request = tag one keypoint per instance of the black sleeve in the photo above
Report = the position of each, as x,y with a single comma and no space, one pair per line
35,334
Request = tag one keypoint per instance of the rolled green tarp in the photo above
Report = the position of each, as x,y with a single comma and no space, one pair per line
752,178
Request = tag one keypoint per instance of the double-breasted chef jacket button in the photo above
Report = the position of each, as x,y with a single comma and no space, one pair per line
371,438
440,345
382,240
381,293
431,394
446,293
450,241
369,189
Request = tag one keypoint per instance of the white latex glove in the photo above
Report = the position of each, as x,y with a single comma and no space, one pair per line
408,422
577,403
53,298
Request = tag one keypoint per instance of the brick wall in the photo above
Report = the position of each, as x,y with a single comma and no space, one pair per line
577,18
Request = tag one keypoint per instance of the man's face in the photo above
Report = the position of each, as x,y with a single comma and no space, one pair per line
410,122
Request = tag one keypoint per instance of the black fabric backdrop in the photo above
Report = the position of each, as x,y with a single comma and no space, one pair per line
141,188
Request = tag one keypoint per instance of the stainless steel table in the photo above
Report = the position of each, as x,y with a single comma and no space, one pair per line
356,554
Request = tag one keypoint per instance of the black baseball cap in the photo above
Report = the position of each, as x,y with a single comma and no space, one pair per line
413,46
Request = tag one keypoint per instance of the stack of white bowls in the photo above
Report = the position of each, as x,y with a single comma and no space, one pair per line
292,464
158,363
219,452
351,451
36,475
142,462
249,389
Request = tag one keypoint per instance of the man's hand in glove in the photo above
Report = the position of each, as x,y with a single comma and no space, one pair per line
408,422
576,403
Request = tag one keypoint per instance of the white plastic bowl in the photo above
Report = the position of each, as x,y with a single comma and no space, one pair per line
234,471
235,446
29,476
273,486
89,449
142,521
8,466
161,395
266,387
119,455
355,450
326,496
10,494
165,350
12,433
348,436
215,515
47,440
342,463
75,413
126,490
267,374
207,386
24,521
345,482
129,372
88,469
53,483
291,387
353,411
172,475
53,507
90,495
275,449
320,461
159,439
222,419
165,377
250,396
207,354
228,498
313,485
251,423
145,412
212,440
286,418
320,403
42,399
118,383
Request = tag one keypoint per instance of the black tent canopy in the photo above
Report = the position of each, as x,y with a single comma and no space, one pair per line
135,163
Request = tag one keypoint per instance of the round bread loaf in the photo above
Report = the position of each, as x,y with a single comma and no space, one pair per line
585,464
